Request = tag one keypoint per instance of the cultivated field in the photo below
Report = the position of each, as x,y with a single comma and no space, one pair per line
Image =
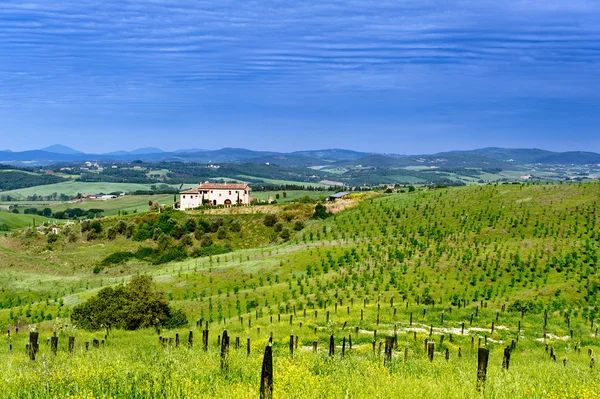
72,188
409,287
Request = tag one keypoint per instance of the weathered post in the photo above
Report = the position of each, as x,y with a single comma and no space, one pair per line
291,345
331,346
430,350
191,339
343,346
506,360
33,344
447,354
248,347
482,363
314,344
266,377
389,344
54,345
176,340
224,350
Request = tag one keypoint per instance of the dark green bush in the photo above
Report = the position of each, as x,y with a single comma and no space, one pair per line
136,305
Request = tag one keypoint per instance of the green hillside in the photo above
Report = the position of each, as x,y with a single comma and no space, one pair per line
19,221
454,269
72,188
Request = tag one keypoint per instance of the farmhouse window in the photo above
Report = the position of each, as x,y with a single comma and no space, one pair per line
229,192
184,196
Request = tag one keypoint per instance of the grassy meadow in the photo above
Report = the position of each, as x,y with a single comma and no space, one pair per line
19,221
480,266
72,188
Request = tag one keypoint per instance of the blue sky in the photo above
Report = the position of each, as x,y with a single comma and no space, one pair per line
398,76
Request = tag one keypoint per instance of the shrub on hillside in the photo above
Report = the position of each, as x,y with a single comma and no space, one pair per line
525,306
270,220
321,212
137,305
111,233
235,226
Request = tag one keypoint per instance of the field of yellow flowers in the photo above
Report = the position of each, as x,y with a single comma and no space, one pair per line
137,365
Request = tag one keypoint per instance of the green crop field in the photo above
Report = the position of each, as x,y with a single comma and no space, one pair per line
18,221
398,294
73,188
284,182
291,195
128,203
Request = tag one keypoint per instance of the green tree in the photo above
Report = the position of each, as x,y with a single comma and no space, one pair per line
137,305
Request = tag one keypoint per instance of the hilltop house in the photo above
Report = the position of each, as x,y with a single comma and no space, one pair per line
214,194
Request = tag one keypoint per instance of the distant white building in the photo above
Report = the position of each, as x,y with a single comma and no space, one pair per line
102,197
214,194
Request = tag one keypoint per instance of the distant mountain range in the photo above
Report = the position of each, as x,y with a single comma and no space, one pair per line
480,158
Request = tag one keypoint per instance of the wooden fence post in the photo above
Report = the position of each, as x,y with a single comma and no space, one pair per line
506,360
291,345
389,344
176,340
482,363
224,350
248,347
54,345
331,346
191,339
430,350
33,344
343,346
266,377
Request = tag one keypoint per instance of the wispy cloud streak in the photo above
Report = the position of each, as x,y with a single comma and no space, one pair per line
116,53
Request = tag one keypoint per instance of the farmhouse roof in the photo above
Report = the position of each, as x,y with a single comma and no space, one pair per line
339,195
191,191
217,186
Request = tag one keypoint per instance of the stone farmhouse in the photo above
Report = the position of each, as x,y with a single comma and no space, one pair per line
214,194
